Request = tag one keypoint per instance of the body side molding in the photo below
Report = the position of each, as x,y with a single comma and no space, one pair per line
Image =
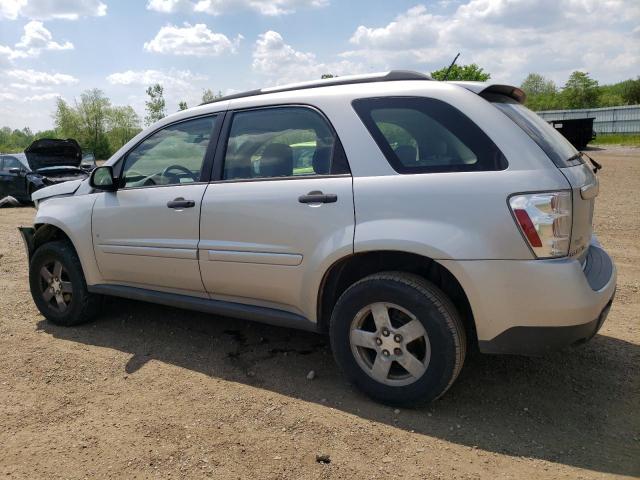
254,313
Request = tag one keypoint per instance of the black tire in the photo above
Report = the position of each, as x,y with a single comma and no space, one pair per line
428,304
82,306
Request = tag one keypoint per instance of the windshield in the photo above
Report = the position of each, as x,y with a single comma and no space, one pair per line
557,148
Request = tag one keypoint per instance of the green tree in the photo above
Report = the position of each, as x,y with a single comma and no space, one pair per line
94,110
155,106
631,91
542,93
124,124
580,91
209,96
471,72
182,105
66,120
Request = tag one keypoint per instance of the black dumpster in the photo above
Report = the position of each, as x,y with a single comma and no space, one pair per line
579,131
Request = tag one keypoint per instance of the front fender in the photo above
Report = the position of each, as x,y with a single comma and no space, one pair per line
65,188
72,215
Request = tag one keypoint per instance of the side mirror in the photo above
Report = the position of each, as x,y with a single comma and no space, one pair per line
102,179
16,171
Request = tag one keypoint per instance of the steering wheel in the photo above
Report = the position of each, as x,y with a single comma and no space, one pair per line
148,182
165,172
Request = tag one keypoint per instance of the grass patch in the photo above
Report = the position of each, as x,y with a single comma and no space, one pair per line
632,140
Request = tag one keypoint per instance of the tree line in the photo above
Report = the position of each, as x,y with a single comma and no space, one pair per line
102,128
99,126
579,91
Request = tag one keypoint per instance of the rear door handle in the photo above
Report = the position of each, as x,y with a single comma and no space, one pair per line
318,197
181,203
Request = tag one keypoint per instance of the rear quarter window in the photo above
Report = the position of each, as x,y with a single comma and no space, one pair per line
557,148
422,135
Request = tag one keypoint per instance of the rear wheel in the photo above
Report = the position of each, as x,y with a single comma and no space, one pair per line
58,286
398,338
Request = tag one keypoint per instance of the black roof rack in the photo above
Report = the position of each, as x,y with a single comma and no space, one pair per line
391,76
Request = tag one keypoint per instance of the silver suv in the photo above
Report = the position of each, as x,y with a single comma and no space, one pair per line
408,218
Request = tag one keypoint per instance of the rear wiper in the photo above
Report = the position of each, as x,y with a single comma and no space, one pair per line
596,165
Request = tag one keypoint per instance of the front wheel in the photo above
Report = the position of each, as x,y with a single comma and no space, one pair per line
58,286
398,338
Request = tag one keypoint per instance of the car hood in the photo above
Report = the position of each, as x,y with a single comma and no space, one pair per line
50,152
60,189
64,169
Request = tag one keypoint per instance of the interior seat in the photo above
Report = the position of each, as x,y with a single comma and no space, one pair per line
276,161
407,154
322,160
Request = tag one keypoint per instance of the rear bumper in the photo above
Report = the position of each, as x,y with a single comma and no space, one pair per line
530,307
540,340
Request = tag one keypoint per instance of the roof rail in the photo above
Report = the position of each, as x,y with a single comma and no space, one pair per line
391,76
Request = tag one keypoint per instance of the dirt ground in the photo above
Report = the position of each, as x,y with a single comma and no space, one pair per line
153,392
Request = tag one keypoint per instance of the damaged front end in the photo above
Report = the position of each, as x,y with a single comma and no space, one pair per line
27,234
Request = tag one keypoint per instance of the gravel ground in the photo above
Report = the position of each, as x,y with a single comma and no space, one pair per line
154,392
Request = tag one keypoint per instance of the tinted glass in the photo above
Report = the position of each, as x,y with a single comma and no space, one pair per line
557,148
9,163
281,142
173,155
419,135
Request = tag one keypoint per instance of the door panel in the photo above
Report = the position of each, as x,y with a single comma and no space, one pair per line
139,240
295,239
147,232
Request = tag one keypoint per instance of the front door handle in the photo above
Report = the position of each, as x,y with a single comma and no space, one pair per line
181,203
318,197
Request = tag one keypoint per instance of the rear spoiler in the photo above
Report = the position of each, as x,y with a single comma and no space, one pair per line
483,87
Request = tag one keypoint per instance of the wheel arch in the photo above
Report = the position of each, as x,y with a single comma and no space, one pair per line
348,270
47,232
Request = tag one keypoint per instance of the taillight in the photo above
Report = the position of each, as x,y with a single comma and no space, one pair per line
545,221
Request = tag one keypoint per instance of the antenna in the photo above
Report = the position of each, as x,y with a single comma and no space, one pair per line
446,75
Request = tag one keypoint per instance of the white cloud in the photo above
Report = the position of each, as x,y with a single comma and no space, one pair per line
179,79
50,9
509,38
33,77
219,7
415,27
36,38
283,64
196,40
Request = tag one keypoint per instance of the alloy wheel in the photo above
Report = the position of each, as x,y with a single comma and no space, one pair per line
55,286
390,344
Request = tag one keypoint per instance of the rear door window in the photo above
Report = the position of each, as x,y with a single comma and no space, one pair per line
557,148
282,142
422,135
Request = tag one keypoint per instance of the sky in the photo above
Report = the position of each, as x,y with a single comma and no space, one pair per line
59,48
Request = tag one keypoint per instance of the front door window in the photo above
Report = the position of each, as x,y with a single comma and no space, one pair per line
171,156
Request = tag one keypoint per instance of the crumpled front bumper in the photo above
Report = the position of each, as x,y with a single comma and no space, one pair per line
27,234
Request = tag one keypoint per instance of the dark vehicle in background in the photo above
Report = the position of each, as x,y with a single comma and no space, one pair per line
88,162
579,131
45,162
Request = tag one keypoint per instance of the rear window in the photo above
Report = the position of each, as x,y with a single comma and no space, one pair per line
422,135
557,148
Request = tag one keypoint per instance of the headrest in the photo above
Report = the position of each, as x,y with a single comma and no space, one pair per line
406,153
322,160
276,161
